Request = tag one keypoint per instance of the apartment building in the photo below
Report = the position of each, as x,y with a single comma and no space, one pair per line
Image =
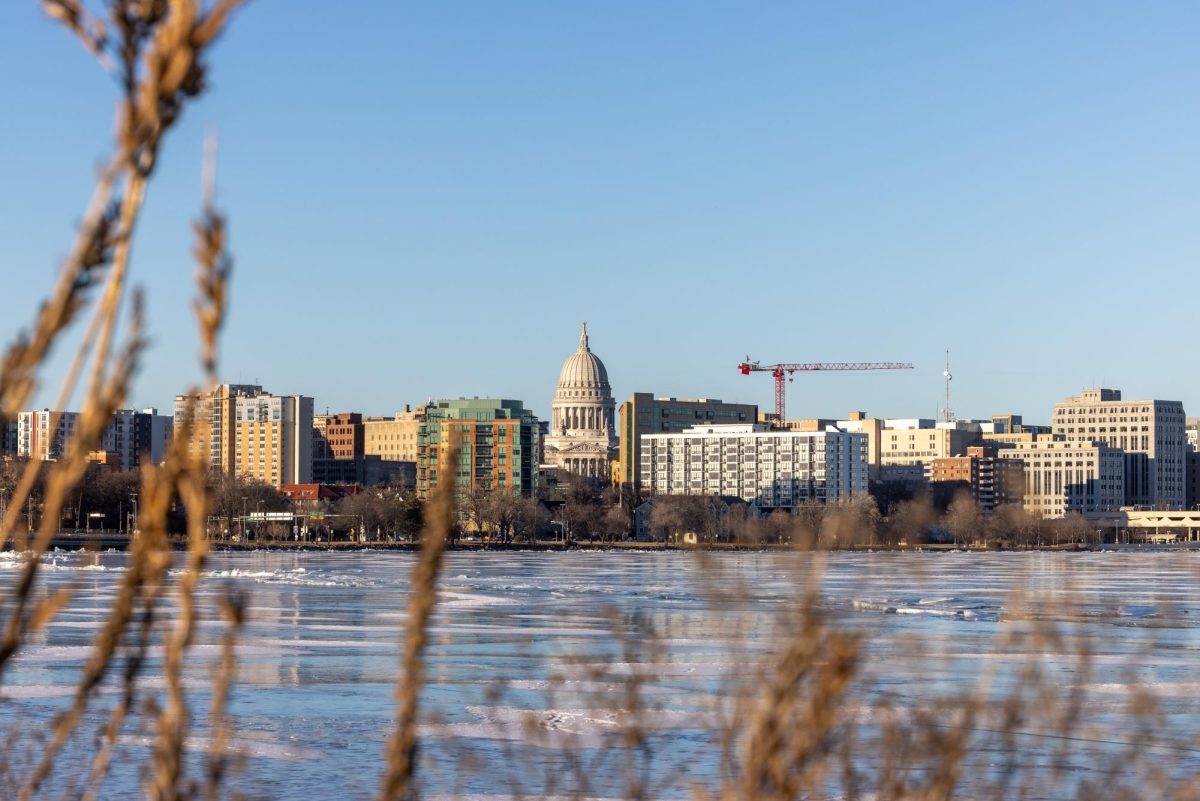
208,421
250,433
770,469
990,480
1064,476
1152,433
645,414
273,438
129,436
496,440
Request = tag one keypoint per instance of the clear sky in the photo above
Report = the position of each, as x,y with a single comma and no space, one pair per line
426,199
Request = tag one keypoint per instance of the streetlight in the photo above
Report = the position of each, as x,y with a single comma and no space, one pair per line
244,518
133,526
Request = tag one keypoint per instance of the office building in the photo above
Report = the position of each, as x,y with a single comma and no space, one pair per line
1064,476
1152,433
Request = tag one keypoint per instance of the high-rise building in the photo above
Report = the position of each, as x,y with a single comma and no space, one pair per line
1150,432
497,443
250,433
127,438
583,426
162,429
208,420
1064,476
769,469
36,439
273,441
645,414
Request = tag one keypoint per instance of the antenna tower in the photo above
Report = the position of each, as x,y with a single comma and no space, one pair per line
948,412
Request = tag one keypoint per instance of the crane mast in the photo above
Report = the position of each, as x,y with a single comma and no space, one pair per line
786,370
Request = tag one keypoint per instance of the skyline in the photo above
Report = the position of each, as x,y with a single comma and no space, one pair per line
1016,185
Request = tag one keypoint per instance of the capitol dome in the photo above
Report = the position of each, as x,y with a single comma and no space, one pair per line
583,369
582,438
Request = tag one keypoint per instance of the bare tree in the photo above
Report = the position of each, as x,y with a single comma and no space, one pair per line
964,518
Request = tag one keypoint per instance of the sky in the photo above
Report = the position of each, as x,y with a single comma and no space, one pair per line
426,199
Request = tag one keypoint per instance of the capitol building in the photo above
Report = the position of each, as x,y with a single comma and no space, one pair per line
583,429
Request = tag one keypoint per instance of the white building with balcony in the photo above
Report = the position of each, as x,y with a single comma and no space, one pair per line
770,469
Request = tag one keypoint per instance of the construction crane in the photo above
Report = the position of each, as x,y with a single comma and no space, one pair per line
780,370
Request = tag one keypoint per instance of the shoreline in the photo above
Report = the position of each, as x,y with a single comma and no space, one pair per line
84,542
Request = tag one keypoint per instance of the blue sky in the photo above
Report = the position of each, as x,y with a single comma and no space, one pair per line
426,199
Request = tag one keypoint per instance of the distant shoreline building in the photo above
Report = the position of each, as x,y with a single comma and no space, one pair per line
583,438
1152,434
249,433
129,436
645,414
1063,476
767,468
497,442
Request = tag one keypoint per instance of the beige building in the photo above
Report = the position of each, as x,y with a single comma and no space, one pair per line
900,449
250,433
393,439
1069,476
1152,433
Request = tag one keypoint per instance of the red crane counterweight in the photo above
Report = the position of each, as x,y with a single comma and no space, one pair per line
778,371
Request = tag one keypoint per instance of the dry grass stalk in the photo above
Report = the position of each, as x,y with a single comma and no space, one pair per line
233,610
398,781
160,47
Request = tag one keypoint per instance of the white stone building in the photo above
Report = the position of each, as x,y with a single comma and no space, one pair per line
583,432
1070,476
770,469
1152,433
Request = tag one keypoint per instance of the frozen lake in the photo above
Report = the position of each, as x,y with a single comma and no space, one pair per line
553,638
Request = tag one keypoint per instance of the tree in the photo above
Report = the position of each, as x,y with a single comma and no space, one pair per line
232,497
1012,524
964,518
910,523
583,506
854,522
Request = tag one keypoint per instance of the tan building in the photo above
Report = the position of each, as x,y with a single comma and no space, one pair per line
393,439
208,420
1064,476
1152,433
250,433
900,449
645,414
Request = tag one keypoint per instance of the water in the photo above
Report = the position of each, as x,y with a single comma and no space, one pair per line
530,652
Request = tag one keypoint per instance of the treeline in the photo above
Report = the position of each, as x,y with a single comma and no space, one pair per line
918,521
